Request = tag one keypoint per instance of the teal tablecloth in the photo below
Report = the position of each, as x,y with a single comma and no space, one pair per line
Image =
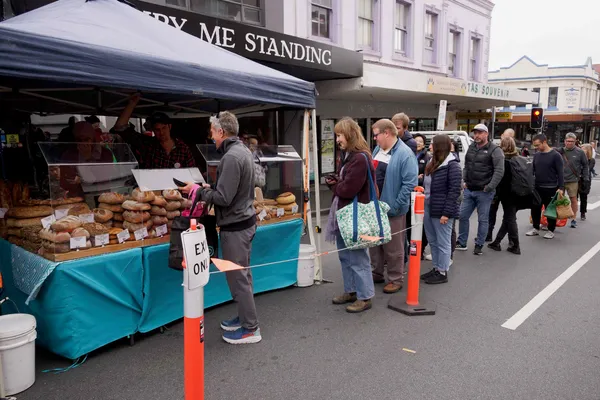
163,293
88,303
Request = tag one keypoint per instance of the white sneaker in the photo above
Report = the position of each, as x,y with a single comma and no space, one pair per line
549,235
429,257
544,227
533,232
451,262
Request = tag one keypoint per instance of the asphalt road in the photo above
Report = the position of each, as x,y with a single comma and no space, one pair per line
312,349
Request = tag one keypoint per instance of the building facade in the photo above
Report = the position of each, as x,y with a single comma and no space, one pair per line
569,95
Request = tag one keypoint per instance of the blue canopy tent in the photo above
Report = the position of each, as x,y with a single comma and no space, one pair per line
82,56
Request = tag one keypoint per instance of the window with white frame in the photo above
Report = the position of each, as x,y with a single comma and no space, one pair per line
321,12
430,37
366,23
247,11
402,26
474,51
453,52
552,97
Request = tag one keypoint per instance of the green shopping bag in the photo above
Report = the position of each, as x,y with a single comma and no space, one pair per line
358,219
550,211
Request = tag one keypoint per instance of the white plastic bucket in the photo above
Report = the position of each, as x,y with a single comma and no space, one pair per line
306,265
17,352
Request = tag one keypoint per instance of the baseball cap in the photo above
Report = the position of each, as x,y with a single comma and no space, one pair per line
160,118
480,127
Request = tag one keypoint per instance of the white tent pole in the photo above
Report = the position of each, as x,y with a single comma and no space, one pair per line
306,157
318,263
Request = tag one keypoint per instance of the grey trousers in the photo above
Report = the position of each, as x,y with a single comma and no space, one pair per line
236,247
392,252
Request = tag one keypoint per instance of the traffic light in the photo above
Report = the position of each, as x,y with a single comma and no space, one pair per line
537,118
545,127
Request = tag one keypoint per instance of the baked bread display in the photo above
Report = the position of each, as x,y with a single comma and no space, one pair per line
23,222
55,237
289,207
172,194
118,217
78,209
61,247
173,205
80,232
111,198
132,205
142,197
136,217
67,224
69,206
118,224
159,201
158,211
134,227
94,228
101,215
286,198
108,224
158,220
115,208
30,212
173,214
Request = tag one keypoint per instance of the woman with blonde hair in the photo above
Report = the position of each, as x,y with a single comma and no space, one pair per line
350,182
586,186
510,202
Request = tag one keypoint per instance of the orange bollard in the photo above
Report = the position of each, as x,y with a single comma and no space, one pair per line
412,306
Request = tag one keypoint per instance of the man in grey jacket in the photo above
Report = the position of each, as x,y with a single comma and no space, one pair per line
484,169
575,167
233,197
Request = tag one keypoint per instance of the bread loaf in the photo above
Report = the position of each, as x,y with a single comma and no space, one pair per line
288,207
172,194
269,202
111,198
136,217
136,206
24,222
173,205
142,197
30,212
55,237
158,211
159,201
69,206
118,224
286,198
173,214
66,224
101,215
108,224
94,228
79,209
158,220
185,204
118,217
80,232
134,227
116,208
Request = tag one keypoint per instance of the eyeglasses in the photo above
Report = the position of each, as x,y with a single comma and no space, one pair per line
377,134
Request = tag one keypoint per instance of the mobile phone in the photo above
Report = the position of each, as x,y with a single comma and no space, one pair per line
179,183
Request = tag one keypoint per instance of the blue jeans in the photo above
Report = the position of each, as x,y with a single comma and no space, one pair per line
356,271
481,201
439,237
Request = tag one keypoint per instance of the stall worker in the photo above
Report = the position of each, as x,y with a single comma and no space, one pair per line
158,152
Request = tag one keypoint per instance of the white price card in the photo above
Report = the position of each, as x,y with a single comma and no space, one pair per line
123,236
101,240
197,258
46,222
161,230
78,242
262,215
88,218
294,209
140,234
280,212
3,212
60,214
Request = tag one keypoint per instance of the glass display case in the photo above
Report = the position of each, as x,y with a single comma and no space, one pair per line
278,180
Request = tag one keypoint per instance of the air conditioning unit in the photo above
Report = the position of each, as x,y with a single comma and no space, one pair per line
597,108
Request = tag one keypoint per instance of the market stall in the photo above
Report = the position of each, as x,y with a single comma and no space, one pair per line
88,258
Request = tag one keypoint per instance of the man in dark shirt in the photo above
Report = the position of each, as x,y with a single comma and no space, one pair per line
549,179
160,151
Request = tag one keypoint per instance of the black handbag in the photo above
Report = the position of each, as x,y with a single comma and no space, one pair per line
181,224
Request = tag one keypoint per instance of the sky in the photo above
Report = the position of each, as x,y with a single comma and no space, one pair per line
554,32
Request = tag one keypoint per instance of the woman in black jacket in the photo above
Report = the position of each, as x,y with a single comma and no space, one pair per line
586,186
442,184
510,202
423,158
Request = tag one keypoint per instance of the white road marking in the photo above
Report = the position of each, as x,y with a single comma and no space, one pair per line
516,320
594,205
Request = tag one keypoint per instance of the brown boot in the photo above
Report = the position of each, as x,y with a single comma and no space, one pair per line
392,288
344,298
359,306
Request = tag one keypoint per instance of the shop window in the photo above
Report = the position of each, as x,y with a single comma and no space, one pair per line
453,52
474,56
177,3
402,22
366,23
552,97
431,22
247,11
321,13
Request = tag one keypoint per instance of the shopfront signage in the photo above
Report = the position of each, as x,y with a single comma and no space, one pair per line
457,87
258,43
572,98
483,115
441,122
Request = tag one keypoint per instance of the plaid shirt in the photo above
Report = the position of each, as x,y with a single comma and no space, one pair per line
151,155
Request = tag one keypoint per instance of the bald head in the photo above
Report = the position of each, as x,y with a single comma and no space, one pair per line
84,132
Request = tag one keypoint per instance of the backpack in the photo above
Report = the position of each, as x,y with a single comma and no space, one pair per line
522,176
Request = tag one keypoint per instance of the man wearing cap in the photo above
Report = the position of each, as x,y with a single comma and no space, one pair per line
160,151
484,168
